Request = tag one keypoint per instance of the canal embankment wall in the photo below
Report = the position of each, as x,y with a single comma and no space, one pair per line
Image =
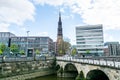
25,70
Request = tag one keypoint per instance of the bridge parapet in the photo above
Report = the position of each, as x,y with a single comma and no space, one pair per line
100,61
18,59
108,67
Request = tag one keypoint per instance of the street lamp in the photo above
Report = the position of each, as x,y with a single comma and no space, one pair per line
28,33
27,41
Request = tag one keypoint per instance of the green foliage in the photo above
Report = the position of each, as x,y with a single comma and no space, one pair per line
60,49
22,52
80,76
63,47
14,48
60,52
87,51
37,51
66,45
54,63
1,52
2,47
74,51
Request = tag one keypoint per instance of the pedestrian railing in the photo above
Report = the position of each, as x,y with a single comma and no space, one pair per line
14,59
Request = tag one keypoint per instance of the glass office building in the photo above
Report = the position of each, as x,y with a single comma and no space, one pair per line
43,44
4,37
89,40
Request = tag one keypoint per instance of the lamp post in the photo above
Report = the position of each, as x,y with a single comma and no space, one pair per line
27,41
28,33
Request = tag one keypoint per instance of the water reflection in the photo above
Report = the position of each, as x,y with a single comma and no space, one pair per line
52,77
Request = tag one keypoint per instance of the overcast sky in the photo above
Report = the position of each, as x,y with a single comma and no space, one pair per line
40,17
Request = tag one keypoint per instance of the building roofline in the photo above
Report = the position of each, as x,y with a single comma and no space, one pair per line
96,25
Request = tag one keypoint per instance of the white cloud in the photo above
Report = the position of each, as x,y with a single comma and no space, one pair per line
50,2
43,34
108,37
106,12
16,12
23,28
62,10
4,27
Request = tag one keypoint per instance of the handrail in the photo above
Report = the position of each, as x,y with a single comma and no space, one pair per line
15,59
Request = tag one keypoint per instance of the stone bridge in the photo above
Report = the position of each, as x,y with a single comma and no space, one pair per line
103,69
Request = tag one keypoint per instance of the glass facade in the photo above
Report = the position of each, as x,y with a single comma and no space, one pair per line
43,44
89,39
4,37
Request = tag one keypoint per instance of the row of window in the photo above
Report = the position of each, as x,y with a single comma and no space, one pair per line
88,28
89,39
89,35
90,45
90,42
30,38
89,31
90,49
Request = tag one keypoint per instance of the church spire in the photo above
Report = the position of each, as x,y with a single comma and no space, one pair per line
60,17
60,26
59,35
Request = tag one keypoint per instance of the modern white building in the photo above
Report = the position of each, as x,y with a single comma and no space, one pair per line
89,40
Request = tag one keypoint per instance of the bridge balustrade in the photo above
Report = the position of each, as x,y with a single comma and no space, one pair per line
14,59
109,62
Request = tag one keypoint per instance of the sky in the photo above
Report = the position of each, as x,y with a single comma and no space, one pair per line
40,17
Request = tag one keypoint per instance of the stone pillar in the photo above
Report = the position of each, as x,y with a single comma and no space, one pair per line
80,76
60,72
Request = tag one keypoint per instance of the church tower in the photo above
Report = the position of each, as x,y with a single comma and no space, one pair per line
59,30
59,43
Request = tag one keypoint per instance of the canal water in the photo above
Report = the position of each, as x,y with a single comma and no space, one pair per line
52,77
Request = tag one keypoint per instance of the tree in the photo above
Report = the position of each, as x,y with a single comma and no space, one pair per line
2,47
37,51
74,51
22,52
87,51
63,47
1,52
14,48
66,45
60,52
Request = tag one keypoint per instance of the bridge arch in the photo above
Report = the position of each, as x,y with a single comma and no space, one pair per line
111,72
71,70
70,66
96,74
57,67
